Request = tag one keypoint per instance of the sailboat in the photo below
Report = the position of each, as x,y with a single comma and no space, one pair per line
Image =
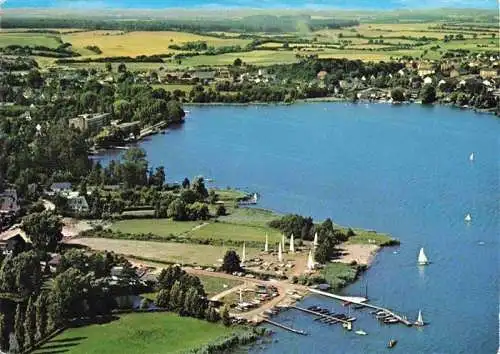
471,157
361,332
422,258
244,254
468,218
420,320
266,247
292,244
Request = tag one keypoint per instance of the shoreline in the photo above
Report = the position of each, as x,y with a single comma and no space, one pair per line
333,100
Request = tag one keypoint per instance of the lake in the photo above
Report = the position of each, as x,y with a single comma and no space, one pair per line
402,169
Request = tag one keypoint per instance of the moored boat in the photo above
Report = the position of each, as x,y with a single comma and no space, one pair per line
392,343
420,320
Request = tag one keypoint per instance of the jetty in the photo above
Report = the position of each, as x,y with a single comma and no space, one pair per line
290,329
328,317
361,301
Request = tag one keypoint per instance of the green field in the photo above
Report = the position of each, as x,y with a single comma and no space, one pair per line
250,216
160,227
226,231
338,274
28,39
367,237
257,57
216,285
138,333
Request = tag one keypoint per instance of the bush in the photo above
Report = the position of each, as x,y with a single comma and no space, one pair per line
221,210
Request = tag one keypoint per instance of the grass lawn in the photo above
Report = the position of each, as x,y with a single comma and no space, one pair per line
138,333
226,231
163,251
28,39
229,194
338,274
160,227
250,216
367,237
216,285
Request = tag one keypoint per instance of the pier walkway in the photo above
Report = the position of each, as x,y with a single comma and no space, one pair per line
329,317
293,330
361,301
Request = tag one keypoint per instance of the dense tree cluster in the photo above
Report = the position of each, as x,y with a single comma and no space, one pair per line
299,226
183,293
30,310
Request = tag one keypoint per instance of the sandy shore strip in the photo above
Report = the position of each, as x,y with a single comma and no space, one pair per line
361,253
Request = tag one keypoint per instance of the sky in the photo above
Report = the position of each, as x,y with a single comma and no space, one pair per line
194,4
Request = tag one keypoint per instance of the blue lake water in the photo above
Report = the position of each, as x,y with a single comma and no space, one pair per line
195,4
398,169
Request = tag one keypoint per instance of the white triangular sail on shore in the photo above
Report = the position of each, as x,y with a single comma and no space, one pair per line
471,157
292,245
310,261
422,258
266,247
315,242
280,253
244,254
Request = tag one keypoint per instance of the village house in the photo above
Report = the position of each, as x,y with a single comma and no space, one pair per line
77,203
205,77
92,122
9,203
13,241
322,75
488,73
59,187
425,69
454,73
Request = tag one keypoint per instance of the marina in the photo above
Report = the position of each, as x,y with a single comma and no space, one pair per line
389,316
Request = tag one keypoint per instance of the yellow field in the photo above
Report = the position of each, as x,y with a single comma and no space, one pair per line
118,43
163,251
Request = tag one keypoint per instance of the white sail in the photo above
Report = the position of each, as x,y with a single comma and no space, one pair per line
471,157
310,261
420,319
292,245
280,253
468,218
283,242
266,247
315,243
422,258
244,255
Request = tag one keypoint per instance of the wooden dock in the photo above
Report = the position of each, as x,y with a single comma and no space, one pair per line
361,301
290,329
321,315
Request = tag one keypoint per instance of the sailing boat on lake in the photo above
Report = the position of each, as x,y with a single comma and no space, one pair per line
420,320
422,258
471,157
